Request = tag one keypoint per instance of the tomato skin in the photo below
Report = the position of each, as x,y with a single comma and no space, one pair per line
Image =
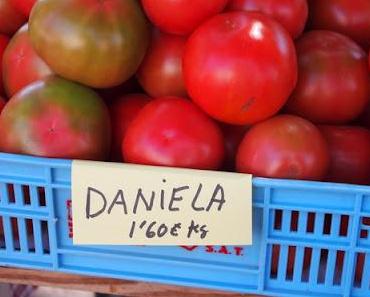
233,135
24,6
292,14
349,148
240,67
181,17
56,118
123,110
351,18
4,40
160,73
10,18
102,52
284,146
21,65
171,131
333,78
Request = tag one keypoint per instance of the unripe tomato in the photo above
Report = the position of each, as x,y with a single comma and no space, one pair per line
97,43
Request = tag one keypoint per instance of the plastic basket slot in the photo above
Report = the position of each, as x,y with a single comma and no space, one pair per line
30,235
41,196
307,264
344,225
294,219
362,272
45,239
322,266
328,218
26,195
310,222
277,213
2,236
10,194
291,263
275,253
338,271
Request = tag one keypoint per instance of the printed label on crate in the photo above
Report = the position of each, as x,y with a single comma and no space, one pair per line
123,204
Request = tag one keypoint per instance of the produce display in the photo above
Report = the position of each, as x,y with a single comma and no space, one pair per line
277,89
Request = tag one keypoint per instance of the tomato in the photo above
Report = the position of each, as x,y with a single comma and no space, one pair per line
97,43
240,67
181,17
3,44
333,78
292,14
24,6
2,104
56,118
284,146
171,131
233,135
160,74
21,64
122,111
10,18
349,17
349,152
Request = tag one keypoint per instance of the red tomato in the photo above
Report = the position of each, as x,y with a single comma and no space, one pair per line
240,67
122,111
172,131
25,6
10,18
3,44
292,14
181,16
2,104
160,74
233,135
350,154
285,146
21,64
333,78
349,17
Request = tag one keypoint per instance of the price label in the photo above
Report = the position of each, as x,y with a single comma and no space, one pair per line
123,204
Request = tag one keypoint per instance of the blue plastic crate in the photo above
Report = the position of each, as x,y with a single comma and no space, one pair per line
310,238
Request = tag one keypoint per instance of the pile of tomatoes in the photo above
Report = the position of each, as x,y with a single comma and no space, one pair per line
273,88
